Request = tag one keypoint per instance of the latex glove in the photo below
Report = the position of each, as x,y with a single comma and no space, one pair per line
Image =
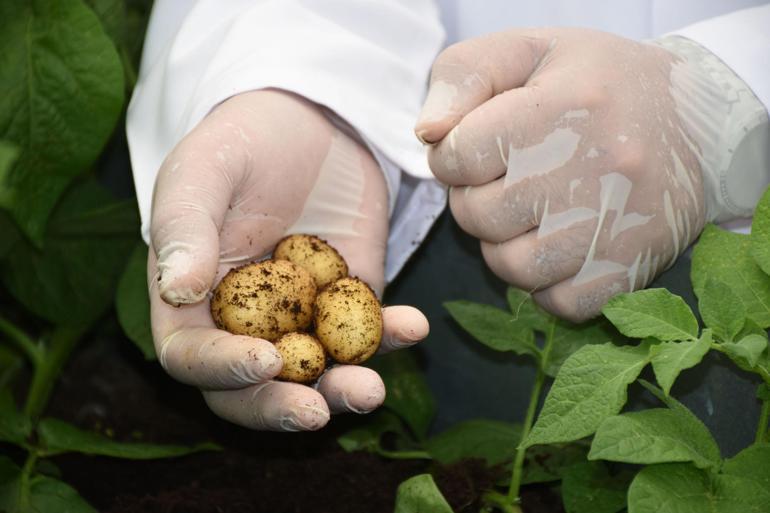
570,155
259,166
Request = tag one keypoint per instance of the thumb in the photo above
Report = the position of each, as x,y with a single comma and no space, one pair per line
192,194
469,73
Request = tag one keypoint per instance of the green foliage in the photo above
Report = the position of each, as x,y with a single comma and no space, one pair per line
490,440
133,304
548,463
669,359
590,387
494,328
748,352
419,494
653,313
14,426
588,487
722,310
760,233
368,437
61,93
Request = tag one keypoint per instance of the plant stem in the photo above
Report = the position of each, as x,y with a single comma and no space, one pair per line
501,502
21,340
63,341
764,417
534,399
403,455
26,472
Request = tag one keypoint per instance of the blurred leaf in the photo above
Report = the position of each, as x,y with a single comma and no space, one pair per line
652,313
72,282
133,304
490,440
407,393
546,463
725,256
420,494
368,437
59,437
15,427
589,488
722,310
760,233
493,327
41,494
669,359
11,362
61,92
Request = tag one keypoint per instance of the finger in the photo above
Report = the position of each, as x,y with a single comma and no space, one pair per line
467,74
539,259
192,194
271,406
580,302
350,388
403,326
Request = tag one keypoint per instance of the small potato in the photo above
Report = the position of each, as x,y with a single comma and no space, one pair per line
265,300
315,255
348,320
303,357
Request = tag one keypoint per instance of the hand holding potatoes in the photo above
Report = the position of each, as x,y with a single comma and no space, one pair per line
259,166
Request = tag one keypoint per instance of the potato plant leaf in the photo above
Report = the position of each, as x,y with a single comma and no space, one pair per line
41,494
760,233
525,311
590,386
725,256
546,463
669,359
681,487
15,427
568,338
494,328
589,488
87,241
367,437
408,395
61,92
751,463
133,304
419,494
60,437
747,352
721,309
491,440
658,435
652,313
11,362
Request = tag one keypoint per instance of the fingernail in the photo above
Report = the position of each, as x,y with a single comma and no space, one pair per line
311,418
176,284
438,105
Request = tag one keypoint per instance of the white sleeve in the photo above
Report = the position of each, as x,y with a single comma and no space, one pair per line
737,141
366,60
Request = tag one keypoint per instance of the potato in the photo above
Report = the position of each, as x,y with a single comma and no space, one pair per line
303,357
315,255
264,299
348,320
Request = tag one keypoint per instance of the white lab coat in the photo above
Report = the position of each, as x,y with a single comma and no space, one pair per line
369,61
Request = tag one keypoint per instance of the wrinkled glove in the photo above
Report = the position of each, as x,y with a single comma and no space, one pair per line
261,165
576,157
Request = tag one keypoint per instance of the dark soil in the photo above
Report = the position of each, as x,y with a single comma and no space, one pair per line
114,391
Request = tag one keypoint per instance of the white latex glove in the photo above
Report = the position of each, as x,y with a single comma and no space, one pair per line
259,166
571,155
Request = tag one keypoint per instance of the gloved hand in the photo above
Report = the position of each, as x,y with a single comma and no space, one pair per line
572,157
261,165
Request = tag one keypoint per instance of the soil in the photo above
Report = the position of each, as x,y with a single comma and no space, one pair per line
107,387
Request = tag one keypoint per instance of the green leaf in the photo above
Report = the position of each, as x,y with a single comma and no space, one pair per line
61,92
682,488
133,303
760,233
746,353
72,282
493,327
42,494
546,463
368,436
490,440
11,362
751,463
590,387
589,488
419,494
669,359
652,313
59,437
525,312
751,328
568,338
658,435
725,256
722,310
15,427
407,393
